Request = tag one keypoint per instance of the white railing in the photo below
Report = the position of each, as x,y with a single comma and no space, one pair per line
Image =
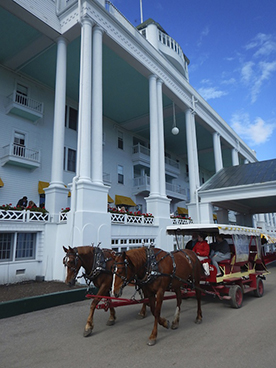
17,150
138,148
26,101
176,188
23,216
172,163
63,216
181,221
141,180
125,219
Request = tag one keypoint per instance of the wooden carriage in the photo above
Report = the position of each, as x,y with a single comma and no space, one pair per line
241,274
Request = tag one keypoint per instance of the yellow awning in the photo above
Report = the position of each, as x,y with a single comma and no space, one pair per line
41,186
45,184
109,199
127,201
1,183
182,211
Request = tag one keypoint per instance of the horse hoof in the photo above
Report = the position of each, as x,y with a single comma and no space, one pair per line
174,326
198,321
87,333
110,322
151,342
140,316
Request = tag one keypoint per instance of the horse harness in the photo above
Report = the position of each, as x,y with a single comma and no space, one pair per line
152,269
99,264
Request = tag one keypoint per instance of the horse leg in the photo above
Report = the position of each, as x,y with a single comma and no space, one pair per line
175,323
143,311
157,318
199,312
90,323
112,317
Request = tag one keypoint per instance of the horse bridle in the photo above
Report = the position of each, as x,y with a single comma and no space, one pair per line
77,258
123,277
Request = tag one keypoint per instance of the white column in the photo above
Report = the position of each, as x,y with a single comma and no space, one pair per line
56,193
85,96
235,157
217,151
59,114
90,219
97,107
154,149
157,202
192,154
162,176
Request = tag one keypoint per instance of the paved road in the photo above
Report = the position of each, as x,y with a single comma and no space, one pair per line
227,337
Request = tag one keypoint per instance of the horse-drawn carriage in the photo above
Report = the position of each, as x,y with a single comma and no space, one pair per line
155,272
244,272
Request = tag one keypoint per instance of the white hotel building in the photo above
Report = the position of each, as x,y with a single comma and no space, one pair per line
89,108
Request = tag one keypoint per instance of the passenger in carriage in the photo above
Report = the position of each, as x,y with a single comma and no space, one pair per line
201,247
191,243
220,251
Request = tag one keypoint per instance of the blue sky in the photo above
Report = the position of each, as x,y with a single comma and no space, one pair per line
231,45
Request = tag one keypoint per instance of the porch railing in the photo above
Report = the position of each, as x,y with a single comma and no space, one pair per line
23,216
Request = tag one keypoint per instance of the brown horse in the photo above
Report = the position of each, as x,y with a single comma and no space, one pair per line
157,271
98,264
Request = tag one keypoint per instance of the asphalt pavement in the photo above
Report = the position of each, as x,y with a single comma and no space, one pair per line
227,337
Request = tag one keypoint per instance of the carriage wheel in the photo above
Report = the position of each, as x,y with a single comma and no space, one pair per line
259,292
236,295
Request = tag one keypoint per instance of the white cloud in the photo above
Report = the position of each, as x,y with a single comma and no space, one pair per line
265,70
256,132
228,82
203,34
247,71
211,93
264,45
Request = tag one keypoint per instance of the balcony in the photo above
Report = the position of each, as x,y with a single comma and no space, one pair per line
174,53
141,156
15,154
142,185
25,107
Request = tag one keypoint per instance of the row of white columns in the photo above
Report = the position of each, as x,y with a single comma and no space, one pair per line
90,160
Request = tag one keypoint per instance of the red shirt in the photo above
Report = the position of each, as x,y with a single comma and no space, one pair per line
202,248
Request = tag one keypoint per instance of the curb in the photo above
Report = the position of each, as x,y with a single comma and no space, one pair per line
35,303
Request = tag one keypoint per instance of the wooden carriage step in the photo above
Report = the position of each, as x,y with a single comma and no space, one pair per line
226,297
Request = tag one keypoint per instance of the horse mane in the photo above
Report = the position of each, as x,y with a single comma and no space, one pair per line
85,249
137,256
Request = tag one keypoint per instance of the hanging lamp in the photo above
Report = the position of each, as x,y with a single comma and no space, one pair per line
175,130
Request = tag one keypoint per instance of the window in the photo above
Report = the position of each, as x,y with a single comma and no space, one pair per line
25,246
22,94
6,241
120,174
19,144
71,118
120,140
69,160
24,243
